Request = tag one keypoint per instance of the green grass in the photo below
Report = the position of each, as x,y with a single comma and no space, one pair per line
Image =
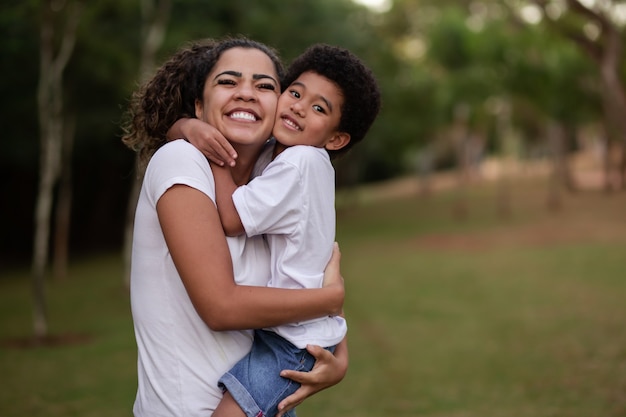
94,375
490,317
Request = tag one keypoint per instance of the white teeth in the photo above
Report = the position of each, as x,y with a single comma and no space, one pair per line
291,123
243,115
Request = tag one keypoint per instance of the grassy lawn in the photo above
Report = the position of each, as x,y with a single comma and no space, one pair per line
486,316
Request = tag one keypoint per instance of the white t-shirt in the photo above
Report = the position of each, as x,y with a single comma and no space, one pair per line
179,358
293,203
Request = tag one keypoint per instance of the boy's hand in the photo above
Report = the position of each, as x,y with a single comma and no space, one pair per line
209,141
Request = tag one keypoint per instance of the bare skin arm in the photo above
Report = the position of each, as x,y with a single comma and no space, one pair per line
193,232
206,138
224,189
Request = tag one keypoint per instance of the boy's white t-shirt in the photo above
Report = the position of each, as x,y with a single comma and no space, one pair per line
293,204
179,358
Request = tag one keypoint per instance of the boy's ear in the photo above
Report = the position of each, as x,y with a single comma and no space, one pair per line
338,141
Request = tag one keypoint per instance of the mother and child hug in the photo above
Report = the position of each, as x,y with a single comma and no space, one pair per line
235,226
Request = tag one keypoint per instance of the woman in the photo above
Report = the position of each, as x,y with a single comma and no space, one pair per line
182,274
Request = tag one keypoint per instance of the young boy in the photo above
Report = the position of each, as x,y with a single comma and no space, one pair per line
330,102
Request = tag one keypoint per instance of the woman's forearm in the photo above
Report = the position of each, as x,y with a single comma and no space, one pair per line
196,241
258,307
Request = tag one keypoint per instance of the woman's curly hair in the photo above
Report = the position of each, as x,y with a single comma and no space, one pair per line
173,90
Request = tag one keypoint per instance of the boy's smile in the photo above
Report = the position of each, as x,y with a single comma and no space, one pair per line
309,112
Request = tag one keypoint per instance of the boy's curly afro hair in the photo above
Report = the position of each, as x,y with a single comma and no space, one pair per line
355,80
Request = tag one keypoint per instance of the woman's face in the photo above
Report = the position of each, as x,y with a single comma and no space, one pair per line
240,96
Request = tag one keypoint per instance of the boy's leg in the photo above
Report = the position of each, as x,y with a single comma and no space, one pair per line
228,407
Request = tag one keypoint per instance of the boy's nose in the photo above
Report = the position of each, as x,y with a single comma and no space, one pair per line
296,108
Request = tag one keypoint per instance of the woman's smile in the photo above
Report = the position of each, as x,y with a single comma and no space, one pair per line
240,97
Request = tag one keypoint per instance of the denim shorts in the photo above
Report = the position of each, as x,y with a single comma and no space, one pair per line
255,381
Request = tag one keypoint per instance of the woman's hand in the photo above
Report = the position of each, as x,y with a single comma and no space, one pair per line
328,370
206,138
333,278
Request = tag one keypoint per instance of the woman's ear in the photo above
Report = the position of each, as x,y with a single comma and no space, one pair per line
199,108
338,141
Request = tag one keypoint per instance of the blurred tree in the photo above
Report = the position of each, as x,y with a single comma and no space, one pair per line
476,71
597,28
490,63
155,15
551,76
58,37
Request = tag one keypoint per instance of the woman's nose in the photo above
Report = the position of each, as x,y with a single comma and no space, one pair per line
245,92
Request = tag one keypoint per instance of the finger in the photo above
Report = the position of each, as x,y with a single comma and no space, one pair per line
219,151
336,255
225,150
297,376
292,401
223,155
317,351
213,157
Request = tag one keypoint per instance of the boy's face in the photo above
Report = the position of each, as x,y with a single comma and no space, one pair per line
308,113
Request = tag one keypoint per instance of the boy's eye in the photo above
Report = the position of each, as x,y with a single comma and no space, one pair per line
294,93
318,108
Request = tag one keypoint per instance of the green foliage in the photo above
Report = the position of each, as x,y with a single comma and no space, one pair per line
432,58
551,75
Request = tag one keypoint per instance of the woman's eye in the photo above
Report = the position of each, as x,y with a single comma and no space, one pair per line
271,87
225,81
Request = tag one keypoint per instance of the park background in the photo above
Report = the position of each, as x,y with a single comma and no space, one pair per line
481,221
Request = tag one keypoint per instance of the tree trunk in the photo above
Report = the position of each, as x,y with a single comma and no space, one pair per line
460,135
155,16
503,132
64,206
50,112
613,86
623,167
569,141
556,139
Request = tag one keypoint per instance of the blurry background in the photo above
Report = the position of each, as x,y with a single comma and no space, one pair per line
502,121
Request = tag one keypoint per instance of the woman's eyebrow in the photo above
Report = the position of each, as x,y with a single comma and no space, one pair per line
262,76
239,75
233,73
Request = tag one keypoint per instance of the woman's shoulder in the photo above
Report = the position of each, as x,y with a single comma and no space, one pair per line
178,156
176,148
179,162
